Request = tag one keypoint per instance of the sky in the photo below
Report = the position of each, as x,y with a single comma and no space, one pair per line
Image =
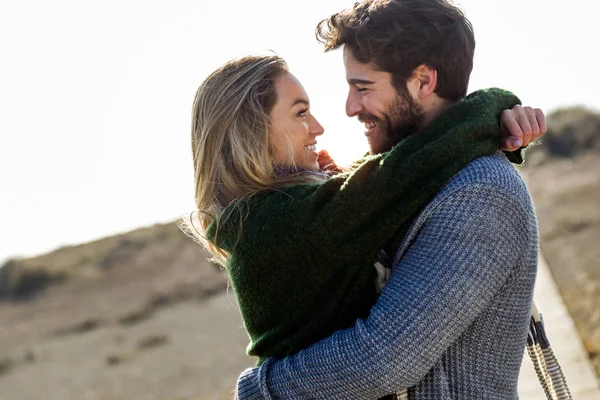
96,97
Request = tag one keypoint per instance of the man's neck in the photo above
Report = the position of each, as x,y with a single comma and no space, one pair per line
435,108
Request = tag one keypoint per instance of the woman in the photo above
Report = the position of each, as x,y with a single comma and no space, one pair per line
299,244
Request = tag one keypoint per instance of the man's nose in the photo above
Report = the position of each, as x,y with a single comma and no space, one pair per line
353,104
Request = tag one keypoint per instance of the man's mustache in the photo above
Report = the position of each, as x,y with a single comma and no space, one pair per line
367,117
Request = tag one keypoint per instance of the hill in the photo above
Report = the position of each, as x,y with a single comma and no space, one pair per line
159,253
572,132
143,315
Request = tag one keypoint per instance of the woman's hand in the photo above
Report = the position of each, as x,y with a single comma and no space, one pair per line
326,163
521,126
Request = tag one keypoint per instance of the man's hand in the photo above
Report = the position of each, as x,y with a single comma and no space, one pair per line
521,126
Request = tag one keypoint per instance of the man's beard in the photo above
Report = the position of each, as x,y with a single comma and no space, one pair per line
404,117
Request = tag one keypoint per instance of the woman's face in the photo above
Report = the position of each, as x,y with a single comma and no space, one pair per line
294,131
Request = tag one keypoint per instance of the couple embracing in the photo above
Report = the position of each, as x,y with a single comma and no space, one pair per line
409,274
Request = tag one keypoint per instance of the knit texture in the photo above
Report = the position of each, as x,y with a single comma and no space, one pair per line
301,258
452,321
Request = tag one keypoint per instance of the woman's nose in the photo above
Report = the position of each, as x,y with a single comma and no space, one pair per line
316,128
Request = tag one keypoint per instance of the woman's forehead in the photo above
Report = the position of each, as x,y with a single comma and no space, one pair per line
290,91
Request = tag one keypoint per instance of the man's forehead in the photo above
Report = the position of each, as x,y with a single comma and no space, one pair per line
359,71
350,60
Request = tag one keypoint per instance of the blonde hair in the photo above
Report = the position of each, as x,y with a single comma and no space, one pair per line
230,141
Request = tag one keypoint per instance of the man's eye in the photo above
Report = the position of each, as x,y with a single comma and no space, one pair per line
362,89
302,113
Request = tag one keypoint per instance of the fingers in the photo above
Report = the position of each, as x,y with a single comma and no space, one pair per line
524,123
541,121
512,132
537,121
523,115
510,143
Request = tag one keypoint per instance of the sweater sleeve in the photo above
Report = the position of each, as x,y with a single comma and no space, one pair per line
459,260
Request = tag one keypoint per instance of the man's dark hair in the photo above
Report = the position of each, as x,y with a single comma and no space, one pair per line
399,35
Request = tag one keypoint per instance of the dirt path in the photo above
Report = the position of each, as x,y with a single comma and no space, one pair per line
565,341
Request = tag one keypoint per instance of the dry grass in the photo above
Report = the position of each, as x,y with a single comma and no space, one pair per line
25,278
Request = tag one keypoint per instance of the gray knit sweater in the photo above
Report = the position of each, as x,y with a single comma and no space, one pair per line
451,322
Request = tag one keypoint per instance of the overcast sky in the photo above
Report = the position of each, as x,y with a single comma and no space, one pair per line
95,97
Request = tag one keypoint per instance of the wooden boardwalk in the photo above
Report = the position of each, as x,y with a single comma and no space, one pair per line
564,339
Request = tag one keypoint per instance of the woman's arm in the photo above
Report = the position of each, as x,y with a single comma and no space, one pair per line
370,203
380,195
520,127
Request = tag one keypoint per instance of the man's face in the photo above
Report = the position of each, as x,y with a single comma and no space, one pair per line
388,116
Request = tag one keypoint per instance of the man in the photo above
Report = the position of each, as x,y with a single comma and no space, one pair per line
452,321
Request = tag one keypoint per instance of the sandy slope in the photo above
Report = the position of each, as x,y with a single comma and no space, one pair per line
194,350
157,326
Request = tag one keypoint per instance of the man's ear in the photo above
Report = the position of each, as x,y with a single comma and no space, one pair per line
425,80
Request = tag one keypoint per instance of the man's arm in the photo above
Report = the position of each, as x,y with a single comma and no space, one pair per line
460,259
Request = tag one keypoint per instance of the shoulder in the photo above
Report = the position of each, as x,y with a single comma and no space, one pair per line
491,175
494,170
486,188
488,199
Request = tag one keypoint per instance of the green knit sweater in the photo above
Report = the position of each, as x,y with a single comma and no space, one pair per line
301,258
